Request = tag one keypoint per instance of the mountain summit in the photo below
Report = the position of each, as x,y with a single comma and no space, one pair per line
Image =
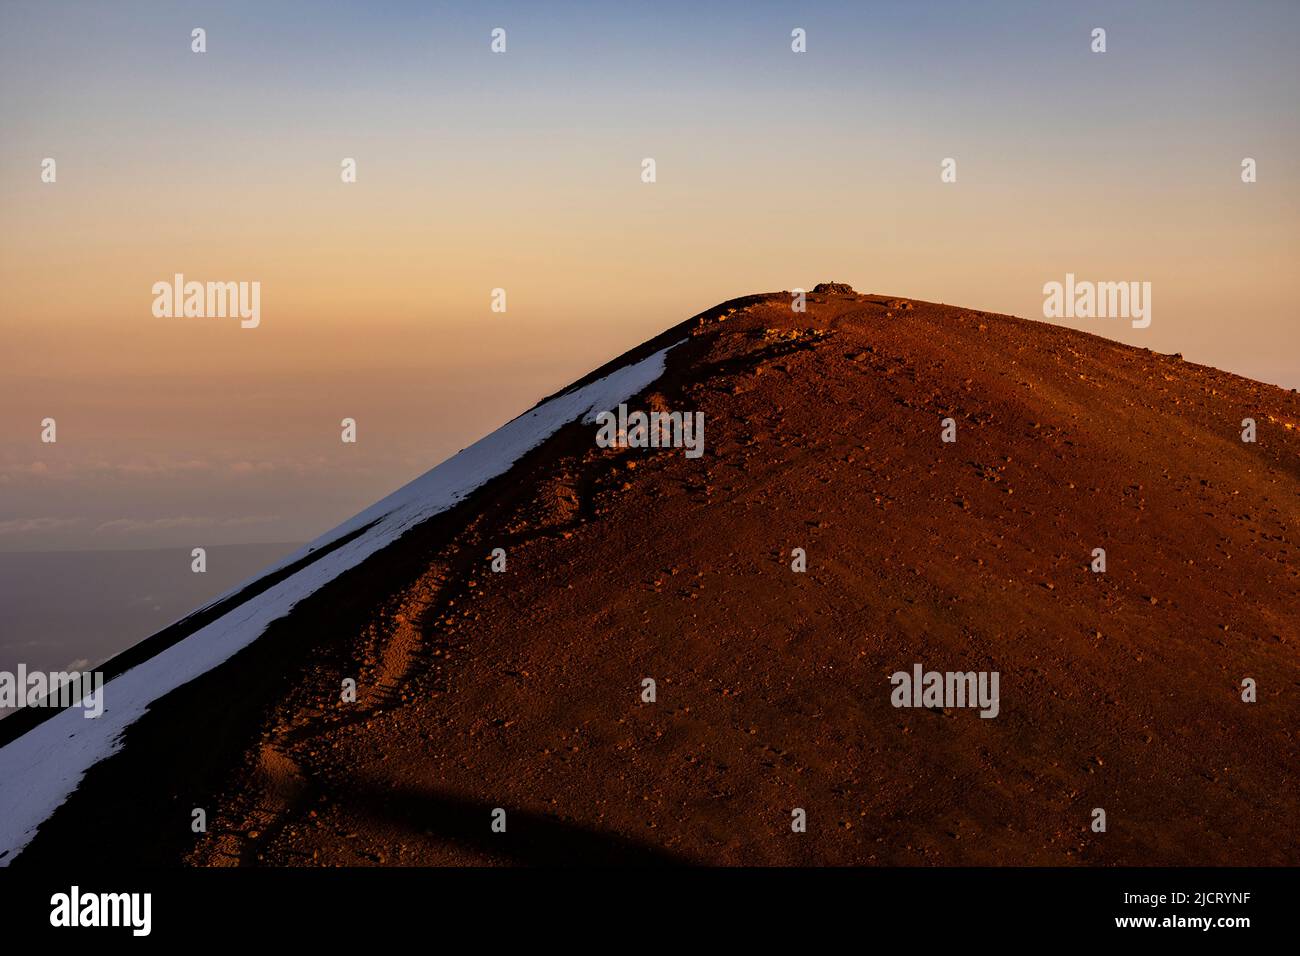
940,586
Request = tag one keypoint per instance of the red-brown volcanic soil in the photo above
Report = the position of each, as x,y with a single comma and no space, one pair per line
522,690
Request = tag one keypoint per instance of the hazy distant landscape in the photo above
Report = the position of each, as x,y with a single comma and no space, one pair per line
60,609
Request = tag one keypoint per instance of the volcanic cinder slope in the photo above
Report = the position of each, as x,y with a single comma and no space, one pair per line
522,689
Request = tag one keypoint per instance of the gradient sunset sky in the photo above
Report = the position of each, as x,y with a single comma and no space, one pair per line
475,171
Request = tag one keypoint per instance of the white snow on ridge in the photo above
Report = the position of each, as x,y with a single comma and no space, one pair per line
39,770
